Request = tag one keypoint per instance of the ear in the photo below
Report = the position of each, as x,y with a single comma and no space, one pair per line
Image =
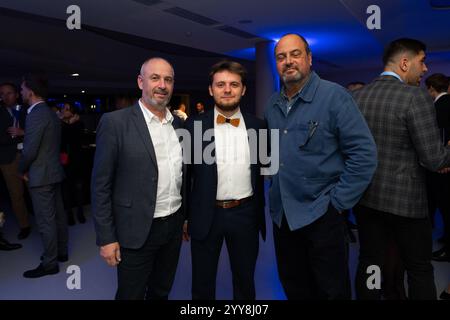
310,59
210,91
243,91
140,82
404,64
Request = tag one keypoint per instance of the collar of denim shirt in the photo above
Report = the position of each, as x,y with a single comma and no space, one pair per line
306,93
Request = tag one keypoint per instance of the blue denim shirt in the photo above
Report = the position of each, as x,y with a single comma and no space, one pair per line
327,152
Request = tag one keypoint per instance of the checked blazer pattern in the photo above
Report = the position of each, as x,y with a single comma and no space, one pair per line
403,122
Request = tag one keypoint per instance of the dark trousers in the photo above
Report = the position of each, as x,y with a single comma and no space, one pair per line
148,272
72,188
438,191
313,261
393,285
239,227
414,243
51,221
16,191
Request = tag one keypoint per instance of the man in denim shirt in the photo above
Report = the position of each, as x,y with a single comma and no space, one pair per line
327,159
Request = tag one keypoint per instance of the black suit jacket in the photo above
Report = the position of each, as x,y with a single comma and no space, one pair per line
41,147
8,145
124,179
443,116
202,181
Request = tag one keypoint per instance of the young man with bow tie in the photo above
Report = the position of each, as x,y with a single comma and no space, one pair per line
226,195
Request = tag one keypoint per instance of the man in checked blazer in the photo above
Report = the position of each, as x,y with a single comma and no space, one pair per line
402,119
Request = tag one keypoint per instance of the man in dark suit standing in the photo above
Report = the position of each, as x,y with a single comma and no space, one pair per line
136,188
226,195
402,119
438,185
40,166
12,122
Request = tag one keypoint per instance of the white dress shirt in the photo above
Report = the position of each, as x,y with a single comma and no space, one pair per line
439,95
169,160
233,159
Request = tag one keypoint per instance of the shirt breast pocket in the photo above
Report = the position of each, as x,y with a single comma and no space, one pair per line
309,138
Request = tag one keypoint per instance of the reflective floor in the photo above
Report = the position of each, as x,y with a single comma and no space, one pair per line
98,281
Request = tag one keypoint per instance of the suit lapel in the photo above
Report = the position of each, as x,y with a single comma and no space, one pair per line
142,128
250,124
208,124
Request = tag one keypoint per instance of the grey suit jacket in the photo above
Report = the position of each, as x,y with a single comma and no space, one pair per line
41,147
402,119
124,179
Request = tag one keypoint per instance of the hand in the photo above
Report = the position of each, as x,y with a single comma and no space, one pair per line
16,132
111,253
74,118
23,177
185,232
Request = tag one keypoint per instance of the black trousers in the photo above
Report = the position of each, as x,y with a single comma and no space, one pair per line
414,242
51,221
313,261
148,272
239,227
438,192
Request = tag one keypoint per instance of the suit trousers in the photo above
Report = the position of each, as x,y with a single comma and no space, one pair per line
51,221
15,187
148,272
313,261
438,191
413,238
238,226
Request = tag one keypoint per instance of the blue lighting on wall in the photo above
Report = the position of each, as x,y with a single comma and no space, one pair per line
247,53
324,41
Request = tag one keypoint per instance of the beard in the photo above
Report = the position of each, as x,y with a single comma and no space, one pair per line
159,105
296,77
227,107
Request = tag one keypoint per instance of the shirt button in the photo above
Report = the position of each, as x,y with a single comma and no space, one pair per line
285,131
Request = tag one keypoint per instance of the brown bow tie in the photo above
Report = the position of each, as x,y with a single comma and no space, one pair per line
221,119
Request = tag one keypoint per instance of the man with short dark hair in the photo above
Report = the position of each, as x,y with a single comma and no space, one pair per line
402,119
12,122
41,167
226,194
200,107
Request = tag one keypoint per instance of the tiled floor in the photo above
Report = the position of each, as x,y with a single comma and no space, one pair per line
98,281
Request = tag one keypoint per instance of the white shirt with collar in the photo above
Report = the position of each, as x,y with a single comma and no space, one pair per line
439,95
33,105
232,159
169,160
